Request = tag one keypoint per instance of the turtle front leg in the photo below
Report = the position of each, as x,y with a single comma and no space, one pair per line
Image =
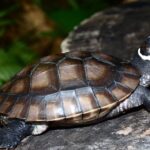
145,80
12,134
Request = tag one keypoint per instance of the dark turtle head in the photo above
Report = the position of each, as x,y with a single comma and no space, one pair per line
144,51
141,58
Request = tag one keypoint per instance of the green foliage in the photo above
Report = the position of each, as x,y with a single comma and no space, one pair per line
5,20
12,59
14,56
74,4
67,19
38,2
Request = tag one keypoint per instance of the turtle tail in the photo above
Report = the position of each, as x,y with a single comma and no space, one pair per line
12,134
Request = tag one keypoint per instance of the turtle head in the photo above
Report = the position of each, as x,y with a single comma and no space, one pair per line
144,50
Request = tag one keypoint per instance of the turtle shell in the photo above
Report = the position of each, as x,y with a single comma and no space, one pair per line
75,87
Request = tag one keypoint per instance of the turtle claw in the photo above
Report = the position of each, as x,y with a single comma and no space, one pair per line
8,140
12,134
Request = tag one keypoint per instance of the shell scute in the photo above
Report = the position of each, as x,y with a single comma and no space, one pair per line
120,92
7,104
44,79
18,110
129,80
71,74
104,98
98,74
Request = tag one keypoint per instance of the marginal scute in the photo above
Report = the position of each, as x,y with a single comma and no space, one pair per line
2,98
6,87
20,109
70,101
86,99
25,71
7,104
128,68
54,107
104,98
120,92
34,109
75,87
130,81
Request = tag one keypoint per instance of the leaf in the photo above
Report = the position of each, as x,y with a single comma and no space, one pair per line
67,19
22,52
38,2
4,22
7,71
5,12
17,56
74,4
2,31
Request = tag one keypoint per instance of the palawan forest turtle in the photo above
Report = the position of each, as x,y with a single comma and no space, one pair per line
72,89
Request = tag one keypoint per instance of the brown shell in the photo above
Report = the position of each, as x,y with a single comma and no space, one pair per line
73,87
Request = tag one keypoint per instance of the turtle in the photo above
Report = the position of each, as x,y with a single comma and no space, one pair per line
72,89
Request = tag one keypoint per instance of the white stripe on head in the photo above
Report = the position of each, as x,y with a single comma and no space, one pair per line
143,56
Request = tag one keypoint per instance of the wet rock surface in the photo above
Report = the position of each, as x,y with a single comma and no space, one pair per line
118,31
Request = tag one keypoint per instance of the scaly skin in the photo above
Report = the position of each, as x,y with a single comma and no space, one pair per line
12,134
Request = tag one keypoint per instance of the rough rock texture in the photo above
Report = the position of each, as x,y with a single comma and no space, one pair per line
118,31
128,132
113,31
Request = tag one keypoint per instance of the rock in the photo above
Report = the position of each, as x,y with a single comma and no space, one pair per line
118,31
127,132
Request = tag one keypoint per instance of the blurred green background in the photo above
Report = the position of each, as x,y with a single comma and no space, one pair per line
30,29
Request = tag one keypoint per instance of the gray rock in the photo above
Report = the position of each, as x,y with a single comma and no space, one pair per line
127,132
115,31
118,31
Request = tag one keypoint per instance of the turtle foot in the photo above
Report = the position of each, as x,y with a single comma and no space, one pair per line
8,140
12,134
